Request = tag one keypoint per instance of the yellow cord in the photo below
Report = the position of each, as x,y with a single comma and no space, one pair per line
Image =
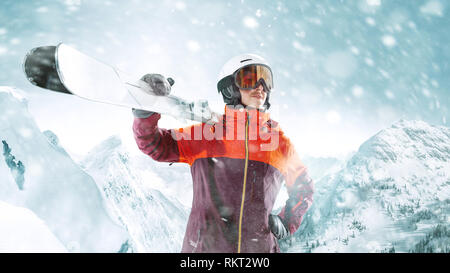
245,181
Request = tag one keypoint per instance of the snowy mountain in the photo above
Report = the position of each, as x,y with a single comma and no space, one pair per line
37,174
392,195
155,219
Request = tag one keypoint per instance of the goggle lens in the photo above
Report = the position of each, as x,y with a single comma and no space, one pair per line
249,76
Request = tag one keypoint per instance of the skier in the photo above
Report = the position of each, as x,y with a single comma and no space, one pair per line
237,164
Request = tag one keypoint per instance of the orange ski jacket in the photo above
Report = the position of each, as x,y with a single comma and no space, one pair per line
238,166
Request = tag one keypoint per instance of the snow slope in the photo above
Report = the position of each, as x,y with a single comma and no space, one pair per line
22,231
55,188
392,193
155,219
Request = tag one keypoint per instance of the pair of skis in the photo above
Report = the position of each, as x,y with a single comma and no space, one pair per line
66,70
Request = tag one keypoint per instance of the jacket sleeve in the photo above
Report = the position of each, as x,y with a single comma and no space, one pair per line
300,189
156,142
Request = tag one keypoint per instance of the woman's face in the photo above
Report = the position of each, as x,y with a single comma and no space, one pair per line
254,97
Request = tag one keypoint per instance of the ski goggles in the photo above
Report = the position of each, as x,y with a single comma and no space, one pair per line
250,76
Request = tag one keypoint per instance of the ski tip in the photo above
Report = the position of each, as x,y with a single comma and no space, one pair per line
35,56
40,69
171,81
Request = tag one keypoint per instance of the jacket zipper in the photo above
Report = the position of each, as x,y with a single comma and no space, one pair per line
245,182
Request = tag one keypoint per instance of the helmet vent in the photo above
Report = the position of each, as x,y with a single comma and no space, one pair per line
246,60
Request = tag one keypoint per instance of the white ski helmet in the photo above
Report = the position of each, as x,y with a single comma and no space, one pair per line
226,82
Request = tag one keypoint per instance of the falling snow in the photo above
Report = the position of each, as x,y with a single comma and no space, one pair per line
193,46
433,7
370,21
357,91
373,2
3,50
250,22
389,41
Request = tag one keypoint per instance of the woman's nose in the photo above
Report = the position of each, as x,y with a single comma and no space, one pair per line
260,87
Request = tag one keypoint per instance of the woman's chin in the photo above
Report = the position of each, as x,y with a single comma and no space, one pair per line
254,103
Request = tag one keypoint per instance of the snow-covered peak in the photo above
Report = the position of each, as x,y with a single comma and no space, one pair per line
411,156
390,194
173,180
407,139
138,197
108,145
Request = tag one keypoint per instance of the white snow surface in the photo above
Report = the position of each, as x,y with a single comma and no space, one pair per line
22,231
55,189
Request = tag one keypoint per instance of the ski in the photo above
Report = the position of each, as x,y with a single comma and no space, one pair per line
64,69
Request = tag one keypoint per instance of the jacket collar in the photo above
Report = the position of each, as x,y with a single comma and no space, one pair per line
238,113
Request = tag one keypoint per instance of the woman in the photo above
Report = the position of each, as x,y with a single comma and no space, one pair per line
237,165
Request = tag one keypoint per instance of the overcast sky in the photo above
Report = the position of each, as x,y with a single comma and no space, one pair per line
343,70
